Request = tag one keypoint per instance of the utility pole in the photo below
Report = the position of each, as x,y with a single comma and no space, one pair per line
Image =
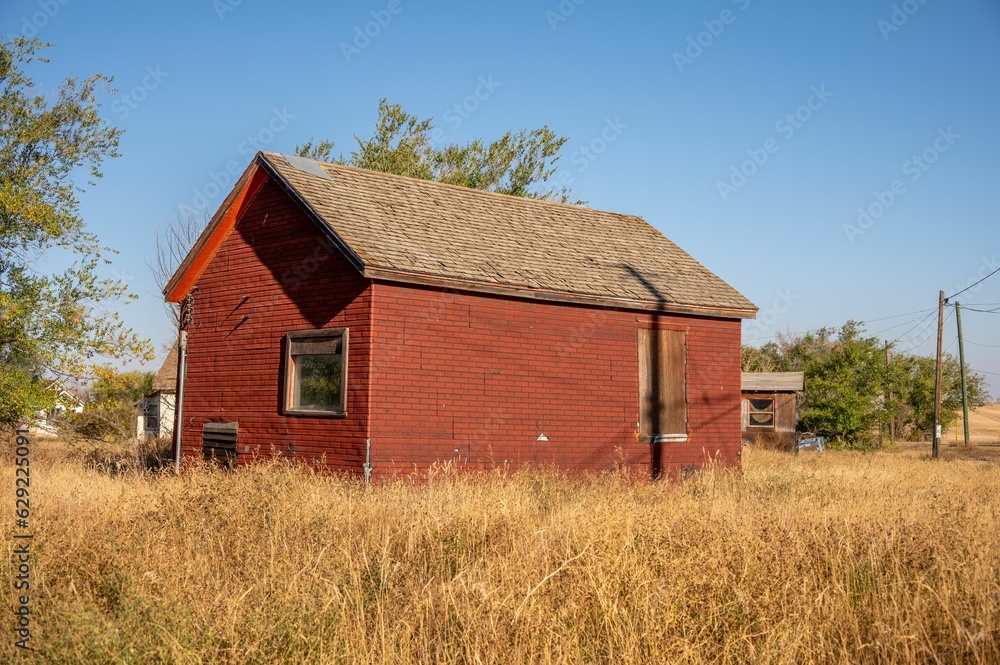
936,445
888,383
961,364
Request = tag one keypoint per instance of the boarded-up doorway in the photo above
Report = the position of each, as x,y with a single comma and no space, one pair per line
662,396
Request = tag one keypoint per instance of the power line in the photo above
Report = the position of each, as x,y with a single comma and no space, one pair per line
926,328
898,325
896,316
953,343
929,315
971,285
989,346
884,318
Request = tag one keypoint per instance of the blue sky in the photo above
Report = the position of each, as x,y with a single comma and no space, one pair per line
752,134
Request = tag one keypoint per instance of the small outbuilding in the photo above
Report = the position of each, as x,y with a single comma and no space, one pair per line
378,324
156,411
770,408
66,401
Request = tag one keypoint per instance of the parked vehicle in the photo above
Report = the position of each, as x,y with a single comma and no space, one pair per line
809,441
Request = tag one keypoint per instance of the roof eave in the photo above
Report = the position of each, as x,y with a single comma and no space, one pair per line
174,291
772,381
556,296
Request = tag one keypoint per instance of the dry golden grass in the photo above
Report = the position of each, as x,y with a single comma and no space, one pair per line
984,426
827,558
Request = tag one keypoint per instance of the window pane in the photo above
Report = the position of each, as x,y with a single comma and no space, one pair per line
761,413
317,382
316,346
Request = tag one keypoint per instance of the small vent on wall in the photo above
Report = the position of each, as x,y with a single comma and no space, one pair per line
218,442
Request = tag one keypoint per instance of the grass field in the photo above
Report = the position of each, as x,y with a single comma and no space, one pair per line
837,557
984,426
984,438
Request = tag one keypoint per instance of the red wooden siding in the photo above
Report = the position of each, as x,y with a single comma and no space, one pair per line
436,375
294,281
476,379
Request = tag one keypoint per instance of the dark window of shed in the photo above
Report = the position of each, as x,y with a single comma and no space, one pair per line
316,372
152,414
760,413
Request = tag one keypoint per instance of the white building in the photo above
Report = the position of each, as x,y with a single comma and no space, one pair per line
66,401
156,410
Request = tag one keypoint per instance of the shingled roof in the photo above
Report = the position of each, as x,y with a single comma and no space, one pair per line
166,379
405,229
773,381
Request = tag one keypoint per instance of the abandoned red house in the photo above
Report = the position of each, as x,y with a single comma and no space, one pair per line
378,323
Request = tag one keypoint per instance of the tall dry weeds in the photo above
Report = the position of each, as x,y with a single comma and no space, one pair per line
832,558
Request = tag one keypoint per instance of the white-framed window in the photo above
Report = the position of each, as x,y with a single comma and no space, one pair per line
316,372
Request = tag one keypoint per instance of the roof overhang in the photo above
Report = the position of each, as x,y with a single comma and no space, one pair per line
219,227
555,296
224,221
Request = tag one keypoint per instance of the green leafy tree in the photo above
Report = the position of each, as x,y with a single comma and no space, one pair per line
518,163
913,380
22,391
111,411
844,374
114,387
761,359
51,324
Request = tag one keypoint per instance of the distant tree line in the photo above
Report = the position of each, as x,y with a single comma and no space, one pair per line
852,394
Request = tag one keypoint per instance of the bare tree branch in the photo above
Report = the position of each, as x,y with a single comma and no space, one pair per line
172,247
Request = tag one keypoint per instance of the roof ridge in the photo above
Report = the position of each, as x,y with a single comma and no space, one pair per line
400,229
460,188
